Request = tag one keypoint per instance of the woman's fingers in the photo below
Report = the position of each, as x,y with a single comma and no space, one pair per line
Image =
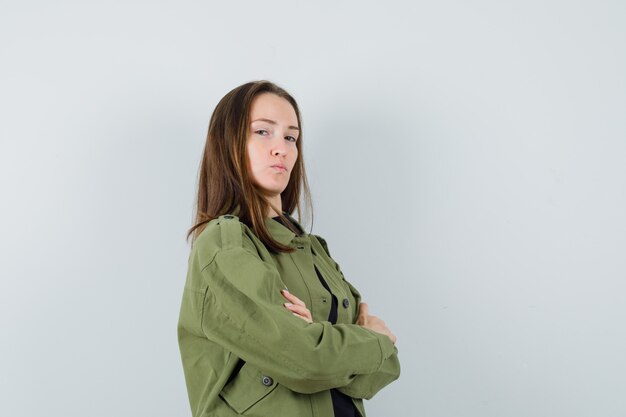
373,323
300,311
295,300
363,313
303,311
297,306
363,309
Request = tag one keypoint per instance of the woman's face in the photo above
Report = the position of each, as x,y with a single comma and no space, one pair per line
271,144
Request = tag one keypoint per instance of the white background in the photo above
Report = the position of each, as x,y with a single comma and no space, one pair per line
468,169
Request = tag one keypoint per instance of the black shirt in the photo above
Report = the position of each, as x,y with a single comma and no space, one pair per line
342,404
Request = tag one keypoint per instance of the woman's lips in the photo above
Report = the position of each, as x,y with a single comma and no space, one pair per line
279,167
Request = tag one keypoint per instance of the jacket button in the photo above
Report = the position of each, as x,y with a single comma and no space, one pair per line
267,381
345,302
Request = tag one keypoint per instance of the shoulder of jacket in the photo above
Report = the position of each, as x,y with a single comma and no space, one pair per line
322,242
231,231
222,233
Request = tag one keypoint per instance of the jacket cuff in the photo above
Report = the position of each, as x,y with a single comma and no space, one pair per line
387,348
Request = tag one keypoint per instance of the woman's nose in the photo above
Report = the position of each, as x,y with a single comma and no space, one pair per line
279,149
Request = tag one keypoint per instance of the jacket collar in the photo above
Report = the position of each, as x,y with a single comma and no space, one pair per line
281,233
276,229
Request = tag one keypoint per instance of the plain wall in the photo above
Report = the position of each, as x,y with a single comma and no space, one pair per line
468,169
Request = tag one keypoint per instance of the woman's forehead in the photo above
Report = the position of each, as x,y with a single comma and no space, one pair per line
270,107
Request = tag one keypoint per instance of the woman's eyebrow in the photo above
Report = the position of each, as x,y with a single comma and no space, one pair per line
272,122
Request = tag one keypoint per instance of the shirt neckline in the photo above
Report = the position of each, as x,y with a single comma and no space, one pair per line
293,223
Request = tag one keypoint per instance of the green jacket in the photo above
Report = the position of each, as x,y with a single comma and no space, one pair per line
232,309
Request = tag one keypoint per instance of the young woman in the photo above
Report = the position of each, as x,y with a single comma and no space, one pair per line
268,324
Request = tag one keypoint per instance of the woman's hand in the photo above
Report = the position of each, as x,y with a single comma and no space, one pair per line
373,323
297,306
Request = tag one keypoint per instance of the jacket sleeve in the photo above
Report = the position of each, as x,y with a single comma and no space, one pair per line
366,385
243,312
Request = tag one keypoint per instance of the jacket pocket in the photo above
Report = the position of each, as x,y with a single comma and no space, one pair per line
247,388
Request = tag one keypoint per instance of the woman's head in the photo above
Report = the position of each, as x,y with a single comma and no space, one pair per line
272,144
254,130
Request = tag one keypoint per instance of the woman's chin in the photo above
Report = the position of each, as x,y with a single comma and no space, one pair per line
273,189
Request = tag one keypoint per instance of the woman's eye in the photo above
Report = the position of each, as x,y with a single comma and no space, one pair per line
291,138
261,132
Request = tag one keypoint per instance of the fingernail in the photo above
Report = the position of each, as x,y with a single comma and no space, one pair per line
288,304
285,289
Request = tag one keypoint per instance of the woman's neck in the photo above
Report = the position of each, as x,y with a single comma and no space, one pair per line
277,203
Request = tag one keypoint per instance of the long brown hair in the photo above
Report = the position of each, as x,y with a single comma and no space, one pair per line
224,182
